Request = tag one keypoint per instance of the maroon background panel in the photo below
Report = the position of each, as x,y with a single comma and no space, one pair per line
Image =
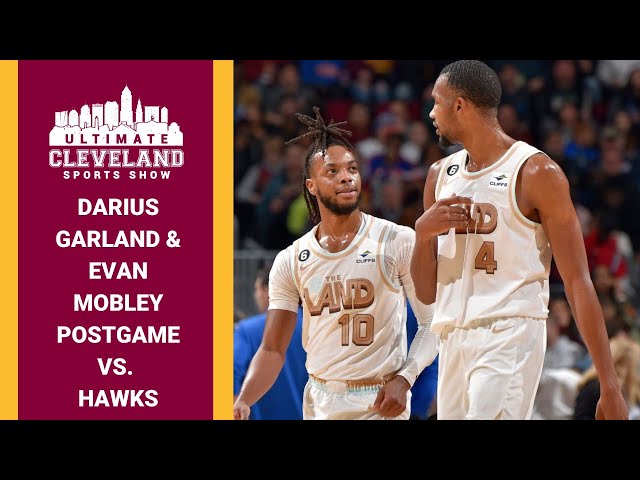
52,374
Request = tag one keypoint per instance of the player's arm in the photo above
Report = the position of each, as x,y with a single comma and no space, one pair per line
545,188
391,400
425,252
268,360
438,217
425,344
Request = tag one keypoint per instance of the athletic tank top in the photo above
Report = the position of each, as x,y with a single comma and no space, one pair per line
498,266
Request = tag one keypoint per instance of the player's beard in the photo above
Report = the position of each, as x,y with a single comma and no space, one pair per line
336,208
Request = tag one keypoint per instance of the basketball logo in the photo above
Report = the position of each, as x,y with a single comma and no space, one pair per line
452,170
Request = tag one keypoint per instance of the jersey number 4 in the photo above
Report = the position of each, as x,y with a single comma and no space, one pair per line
485,259
362,329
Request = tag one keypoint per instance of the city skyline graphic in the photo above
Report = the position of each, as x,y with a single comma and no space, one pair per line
114,124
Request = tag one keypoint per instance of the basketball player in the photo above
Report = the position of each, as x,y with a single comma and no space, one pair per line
352,273
492,273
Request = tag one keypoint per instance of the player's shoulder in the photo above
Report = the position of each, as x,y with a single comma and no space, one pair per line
540,165
282,265
378,222
395,231
305,239
439,164
284,254
450,164
289,251
403,234
434,169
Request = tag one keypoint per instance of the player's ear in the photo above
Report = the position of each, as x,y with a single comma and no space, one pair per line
459,103
310,186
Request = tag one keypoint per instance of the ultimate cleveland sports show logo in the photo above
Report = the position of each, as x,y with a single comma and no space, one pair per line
89,142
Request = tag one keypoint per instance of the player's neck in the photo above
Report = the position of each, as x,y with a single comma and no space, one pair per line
336,232
486,146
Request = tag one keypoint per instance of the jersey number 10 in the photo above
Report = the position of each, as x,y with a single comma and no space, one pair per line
362,329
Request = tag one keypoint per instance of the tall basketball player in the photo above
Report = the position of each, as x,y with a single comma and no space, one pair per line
492,273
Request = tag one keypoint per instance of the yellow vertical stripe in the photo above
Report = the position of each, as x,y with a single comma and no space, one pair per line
9,240
222,239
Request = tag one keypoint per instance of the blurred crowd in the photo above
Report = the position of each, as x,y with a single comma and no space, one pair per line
585,114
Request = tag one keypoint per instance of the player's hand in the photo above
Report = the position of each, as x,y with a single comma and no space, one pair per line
446,213
612,406
392,397
241,410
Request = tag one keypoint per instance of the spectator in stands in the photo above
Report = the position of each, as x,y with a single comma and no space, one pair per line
562,352
626,358
278,196
284,400
253,183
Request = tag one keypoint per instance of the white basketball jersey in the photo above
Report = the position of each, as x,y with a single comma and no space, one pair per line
354,304
499,265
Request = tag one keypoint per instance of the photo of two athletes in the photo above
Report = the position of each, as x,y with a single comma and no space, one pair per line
473,264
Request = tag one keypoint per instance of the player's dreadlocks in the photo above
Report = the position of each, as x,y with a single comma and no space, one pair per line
323,137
